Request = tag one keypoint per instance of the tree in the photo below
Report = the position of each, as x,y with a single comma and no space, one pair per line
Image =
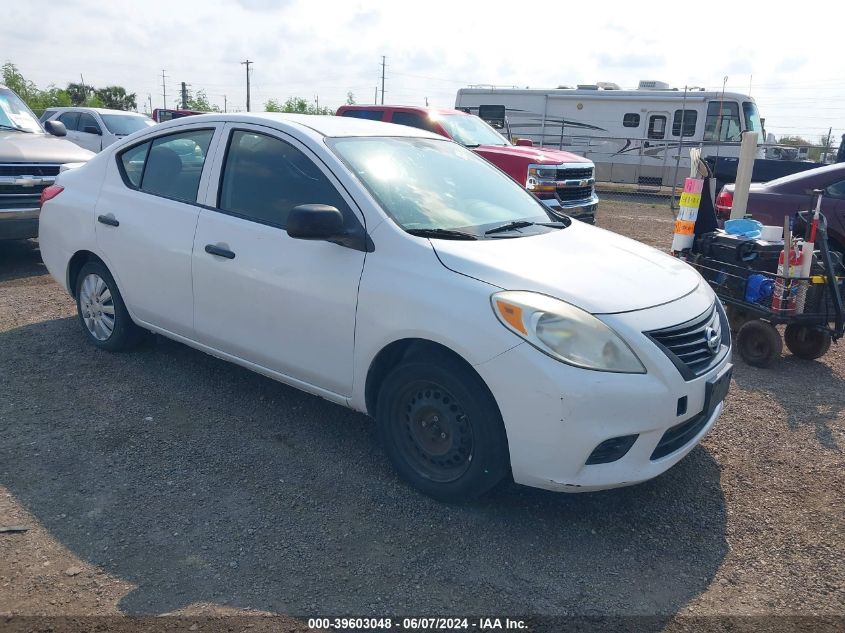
297,105
200,102
350,98
79,93
116,98
14,80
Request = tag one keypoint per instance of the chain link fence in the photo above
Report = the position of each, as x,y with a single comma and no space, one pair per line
652,172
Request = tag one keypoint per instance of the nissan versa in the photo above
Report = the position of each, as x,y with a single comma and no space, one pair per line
393,271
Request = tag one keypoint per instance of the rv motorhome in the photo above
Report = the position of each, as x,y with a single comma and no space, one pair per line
637,136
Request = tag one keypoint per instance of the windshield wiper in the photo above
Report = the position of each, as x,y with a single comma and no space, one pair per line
445,234
12,127
510,226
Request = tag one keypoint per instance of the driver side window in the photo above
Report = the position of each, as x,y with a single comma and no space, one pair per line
264,178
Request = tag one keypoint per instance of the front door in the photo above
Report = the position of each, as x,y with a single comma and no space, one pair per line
89,134
146,218
654,159
285,304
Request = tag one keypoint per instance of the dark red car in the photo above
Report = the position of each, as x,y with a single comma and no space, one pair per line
770,202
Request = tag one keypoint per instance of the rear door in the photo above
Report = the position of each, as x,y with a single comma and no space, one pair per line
71,121
146,217
285,304
90,134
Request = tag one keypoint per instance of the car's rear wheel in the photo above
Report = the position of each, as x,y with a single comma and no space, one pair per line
101,310
442,429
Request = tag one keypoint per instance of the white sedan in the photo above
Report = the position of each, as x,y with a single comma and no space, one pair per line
392,271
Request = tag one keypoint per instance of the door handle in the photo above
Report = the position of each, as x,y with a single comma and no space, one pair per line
108,219
211,249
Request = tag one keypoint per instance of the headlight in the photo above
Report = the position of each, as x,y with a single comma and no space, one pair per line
565,332
541,179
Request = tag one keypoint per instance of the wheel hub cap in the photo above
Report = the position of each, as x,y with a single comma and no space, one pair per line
97,307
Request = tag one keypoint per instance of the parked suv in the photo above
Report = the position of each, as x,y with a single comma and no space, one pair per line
31,157
563,181
97,128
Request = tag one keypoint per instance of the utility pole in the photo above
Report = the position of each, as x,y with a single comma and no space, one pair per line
247,63
224,104
150,98
827,145
375,98
163,89
317,101
383,60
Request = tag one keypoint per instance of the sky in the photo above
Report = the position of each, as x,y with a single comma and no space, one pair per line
792,62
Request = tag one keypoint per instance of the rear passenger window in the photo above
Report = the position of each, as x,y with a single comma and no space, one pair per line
688,119
168,166
265,177
412,119
371,115
133,163
70,119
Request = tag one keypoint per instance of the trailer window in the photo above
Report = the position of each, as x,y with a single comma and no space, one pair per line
686,117
631,119
722,123
657,126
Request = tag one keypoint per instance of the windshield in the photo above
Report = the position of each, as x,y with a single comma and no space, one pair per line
471,131
434,184
752,118
15,114
122,124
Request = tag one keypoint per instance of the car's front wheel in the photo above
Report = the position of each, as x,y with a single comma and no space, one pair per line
442,429
101,310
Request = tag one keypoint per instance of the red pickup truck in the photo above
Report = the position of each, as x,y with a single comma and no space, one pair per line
562,181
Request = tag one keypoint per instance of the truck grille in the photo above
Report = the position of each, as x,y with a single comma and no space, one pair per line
16,189
574,173
566,194
686,344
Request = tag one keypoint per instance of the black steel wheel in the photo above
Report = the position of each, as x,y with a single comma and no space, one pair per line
442,429
759,343
806,342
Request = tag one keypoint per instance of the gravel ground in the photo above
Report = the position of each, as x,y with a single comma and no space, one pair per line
166,481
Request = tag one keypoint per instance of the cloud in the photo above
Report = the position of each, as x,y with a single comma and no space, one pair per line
629,61
790,64
263,5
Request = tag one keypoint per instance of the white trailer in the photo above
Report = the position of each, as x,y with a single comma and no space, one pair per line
637,136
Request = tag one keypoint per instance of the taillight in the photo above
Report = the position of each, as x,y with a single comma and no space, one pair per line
49,193
724,202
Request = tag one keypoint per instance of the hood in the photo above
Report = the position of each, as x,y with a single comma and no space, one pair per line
537,155
755,186
21,147
596,270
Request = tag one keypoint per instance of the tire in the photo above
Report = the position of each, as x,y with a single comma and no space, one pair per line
101,310
441,429
759,343
736,317
806,342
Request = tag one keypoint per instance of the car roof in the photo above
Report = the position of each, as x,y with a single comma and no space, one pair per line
87,109
314,125
836,169
404,108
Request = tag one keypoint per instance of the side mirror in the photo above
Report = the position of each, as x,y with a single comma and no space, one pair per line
56,128
92,129
315,222
524,142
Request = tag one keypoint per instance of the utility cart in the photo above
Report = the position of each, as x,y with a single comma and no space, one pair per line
758,297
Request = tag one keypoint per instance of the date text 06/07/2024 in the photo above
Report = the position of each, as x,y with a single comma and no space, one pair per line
418,624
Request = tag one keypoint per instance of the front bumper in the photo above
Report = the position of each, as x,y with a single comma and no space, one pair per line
556,415
18,224
583,210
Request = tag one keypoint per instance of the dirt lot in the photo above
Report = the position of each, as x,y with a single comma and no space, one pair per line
166,481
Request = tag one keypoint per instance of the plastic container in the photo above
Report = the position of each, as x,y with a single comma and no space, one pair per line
744,227
771,233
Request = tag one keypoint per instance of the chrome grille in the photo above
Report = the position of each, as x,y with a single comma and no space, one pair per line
687,346
21,184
